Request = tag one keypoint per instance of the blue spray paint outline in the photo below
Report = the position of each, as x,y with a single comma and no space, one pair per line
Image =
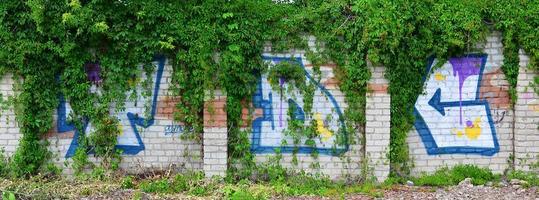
266,105
424,132
299,114
134,120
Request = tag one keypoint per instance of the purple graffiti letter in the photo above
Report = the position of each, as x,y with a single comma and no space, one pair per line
463,67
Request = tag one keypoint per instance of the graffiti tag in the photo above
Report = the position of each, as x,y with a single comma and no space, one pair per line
450,117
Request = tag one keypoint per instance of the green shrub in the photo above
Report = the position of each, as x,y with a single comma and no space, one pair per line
181,183
306,184
479,176
98,173
52,170
392,181
242,195
200,190
192,182
439,178
530,177
80,160
270,173
156,186
445,176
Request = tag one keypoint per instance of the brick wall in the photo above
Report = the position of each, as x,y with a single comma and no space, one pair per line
526,119
155,145
464,116
480,134
270,122
9,132
215,136
377,125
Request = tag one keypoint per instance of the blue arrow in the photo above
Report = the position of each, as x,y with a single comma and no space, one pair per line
425,131
436,103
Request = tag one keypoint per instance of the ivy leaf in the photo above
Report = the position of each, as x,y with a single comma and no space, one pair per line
68,19
233,47
100,27
227,15
75,4
233,26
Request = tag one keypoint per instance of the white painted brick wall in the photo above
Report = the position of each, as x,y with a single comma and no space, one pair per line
9,132
377,125
345,165
493,89
527,118
162,151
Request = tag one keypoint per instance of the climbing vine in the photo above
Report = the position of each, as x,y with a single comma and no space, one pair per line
400,35
519,26
52,45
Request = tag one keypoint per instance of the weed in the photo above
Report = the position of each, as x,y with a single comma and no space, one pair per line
157,186
4,165
242,195
98,173
52,170
127,182
80,160
445,176
8,195
303,183
530,177
137,195
390,181
192,182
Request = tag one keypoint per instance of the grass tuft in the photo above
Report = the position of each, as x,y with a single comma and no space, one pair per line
452,176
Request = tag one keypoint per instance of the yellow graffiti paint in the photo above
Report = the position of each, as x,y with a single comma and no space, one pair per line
472,131
475,131
458,132
323,131
439,76
533,107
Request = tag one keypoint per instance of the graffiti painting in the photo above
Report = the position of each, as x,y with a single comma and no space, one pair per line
269,129
450,116
131,120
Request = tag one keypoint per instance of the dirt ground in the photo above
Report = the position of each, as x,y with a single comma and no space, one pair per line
461,191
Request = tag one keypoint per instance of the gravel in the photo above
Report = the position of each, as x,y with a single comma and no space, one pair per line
465,191
462,191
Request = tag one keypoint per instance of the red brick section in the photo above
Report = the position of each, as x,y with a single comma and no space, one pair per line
331,83
377,88
217,116
166,107
496,95
53,134
248,117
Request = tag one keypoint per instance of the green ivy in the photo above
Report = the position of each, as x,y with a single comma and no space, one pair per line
519,24
215,44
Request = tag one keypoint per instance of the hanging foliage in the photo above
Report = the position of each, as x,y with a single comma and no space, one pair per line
215,44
